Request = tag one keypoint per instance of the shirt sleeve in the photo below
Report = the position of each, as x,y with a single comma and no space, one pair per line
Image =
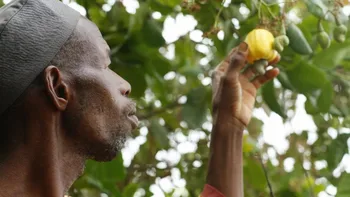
210,191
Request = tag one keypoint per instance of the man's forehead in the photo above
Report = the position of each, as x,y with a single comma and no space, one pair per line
99,47
93,32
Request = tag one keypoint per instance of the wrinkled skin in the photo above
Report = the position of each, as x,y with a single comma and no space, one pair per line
236,85
234,91
99,111
72,116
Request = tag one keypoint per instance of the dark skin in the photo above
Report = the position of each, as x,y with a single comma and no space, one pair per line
234,92
86,114
65,121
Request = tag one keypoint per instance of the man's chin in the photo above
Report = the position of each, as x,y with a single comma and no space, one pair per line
111,151
108,154
105,157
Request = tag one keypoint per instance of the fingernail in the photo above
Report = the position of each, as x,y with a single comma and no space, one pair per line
243,47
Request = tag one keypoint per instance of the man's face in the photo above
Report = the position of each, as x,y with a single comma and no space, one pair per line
100,115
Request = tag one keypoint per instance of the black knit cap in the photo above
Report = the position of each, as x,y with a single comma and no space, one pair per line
31,34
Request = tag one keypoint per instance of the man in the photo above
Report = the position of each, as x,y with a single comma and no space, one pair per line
60,104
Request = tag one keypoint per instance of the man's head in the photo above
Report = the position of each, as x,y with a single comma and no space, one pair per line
77,95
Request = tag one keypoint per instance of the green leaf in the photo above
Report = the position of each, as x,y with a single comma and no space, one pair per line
130,190
152,34
336,151
158,86
270,98
254,174
286,192
184,53
335,111
111,171
319,188
118,15
325,99
194,111
252,5
190,71
136,21
311,105
343,189
283,79
206,17
96,15
88,192
341,102
157,63
249,144
307,78
160,134
135,76
87,181
333,56
163,9
108,173
255,127
170,3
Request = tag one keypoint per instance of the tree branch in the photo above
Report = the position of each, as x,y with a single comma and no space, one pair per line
266,175
307,175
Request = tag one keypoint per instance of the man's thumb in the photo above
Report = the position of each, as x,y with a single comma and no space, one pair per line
238,59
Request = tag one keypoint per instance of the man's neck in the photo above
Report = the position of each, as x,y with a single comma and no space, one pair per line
42,165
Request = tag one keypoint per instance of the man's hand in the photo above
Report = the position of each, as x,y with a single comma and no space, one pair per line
233,101
233,90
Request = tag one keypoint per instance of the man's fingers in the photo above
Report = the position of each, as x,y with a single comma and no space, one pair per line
238,59
276,60
249,72
260,80
230,55
222,67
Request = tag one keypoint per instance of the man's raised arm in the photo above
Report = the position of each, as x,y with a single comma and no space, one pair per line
233,101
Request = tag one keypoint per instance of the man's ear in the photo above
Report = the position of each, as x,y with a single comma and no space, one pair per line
57,90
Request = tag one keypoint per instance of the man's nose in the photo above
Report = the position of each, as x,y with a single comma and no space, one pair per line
125,87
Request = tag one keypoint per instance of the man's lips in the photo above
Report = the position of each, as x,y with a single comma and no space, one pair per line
133,118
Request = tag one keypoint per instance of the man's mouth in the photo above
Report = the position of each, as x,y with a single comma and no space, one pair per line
133,118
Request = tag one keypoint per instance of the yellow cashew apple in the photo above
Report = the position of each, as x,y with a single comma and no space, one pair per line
261,46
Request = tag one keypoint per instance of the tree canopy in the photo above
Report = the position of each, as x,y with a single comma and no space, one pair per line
170,80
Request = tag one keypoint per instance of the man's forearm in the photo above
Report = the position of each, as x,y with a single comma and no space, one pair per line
225,171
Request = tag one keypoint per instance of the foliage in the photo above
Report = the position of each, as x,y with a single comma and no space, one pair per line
176,109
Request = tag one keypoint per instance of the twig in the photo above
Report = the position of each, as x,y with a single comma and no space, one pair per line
217,16
268,8
259,10
271,4
266,175
307,175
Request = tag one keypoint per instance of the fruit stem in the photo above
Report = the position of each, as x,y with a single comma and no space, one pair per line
260,65
218,15
283,29
337,20
320,27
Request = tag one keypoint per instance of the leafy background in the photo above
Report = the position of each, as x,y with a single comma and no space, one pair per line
170,78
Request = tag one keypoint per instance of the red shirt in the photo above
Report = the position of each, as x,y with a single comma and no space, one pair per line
210,191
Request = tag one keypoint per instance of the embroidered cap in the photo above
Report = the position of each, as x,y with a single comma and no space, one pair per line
31,34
